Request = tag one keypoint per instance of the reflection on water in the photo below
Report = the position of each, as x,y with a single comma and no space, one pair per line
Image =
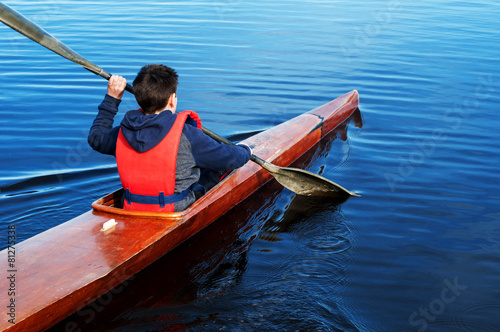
194,276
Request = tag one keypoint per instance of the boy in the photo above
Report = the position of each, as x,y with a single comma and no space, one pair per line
159,154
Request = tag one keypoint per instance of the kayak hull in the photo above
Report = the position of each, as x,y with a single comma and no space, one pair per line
64,268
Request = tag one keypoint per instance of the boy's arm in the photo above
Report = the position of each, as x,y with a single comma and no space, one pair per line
102,135
211,154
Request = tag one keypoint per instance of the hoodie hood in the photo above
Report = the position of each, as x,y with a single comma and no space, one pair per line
144,132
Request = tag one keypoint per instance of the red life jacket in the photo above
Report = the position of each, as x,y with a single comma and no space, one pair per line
149,177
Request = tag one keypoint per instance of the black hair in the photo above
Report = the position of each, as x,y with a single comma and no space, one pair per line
153,86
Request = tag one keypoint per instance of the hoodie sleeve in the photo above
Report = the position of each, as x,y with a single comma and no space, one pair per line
210,154
102,135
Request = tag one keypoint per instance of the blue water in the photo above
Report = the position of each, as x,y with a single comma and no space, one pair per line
418,252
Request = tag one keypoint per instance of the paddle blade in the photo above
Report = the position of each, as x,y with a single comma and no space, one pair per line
305,183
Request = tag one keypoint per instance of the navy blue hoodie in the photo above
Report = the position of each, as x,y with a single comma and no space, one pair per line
144,132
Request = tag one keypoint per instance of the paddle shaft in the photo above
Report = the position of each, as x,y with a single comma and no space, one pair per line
21,24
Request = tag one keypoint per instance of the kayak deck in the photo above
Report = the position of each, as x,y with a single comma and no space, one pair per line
69,266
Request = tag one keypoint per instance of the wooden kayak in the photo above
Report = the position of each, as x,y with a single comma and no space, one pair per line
66,267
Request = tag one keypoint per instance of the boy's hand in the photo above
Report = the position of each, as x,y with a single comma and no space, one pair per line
116,86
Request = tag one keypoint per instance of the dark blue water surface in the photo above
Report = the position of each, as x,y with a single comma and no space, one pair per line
418,252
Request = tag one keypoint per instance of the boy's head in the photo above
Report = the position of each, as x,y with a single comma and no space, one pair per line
154,86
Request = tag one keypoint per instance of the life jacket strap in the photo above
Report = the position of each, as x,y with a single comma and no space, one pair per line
160,199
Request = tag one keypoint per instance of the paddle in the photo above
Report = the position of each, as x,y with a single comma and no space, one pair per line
299,181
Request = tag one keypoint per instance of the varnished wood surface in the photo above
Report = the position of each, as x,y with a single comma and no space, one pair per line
68,266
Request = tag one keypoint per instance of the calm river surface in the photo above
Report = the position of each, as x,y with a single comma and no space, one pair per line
419,251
